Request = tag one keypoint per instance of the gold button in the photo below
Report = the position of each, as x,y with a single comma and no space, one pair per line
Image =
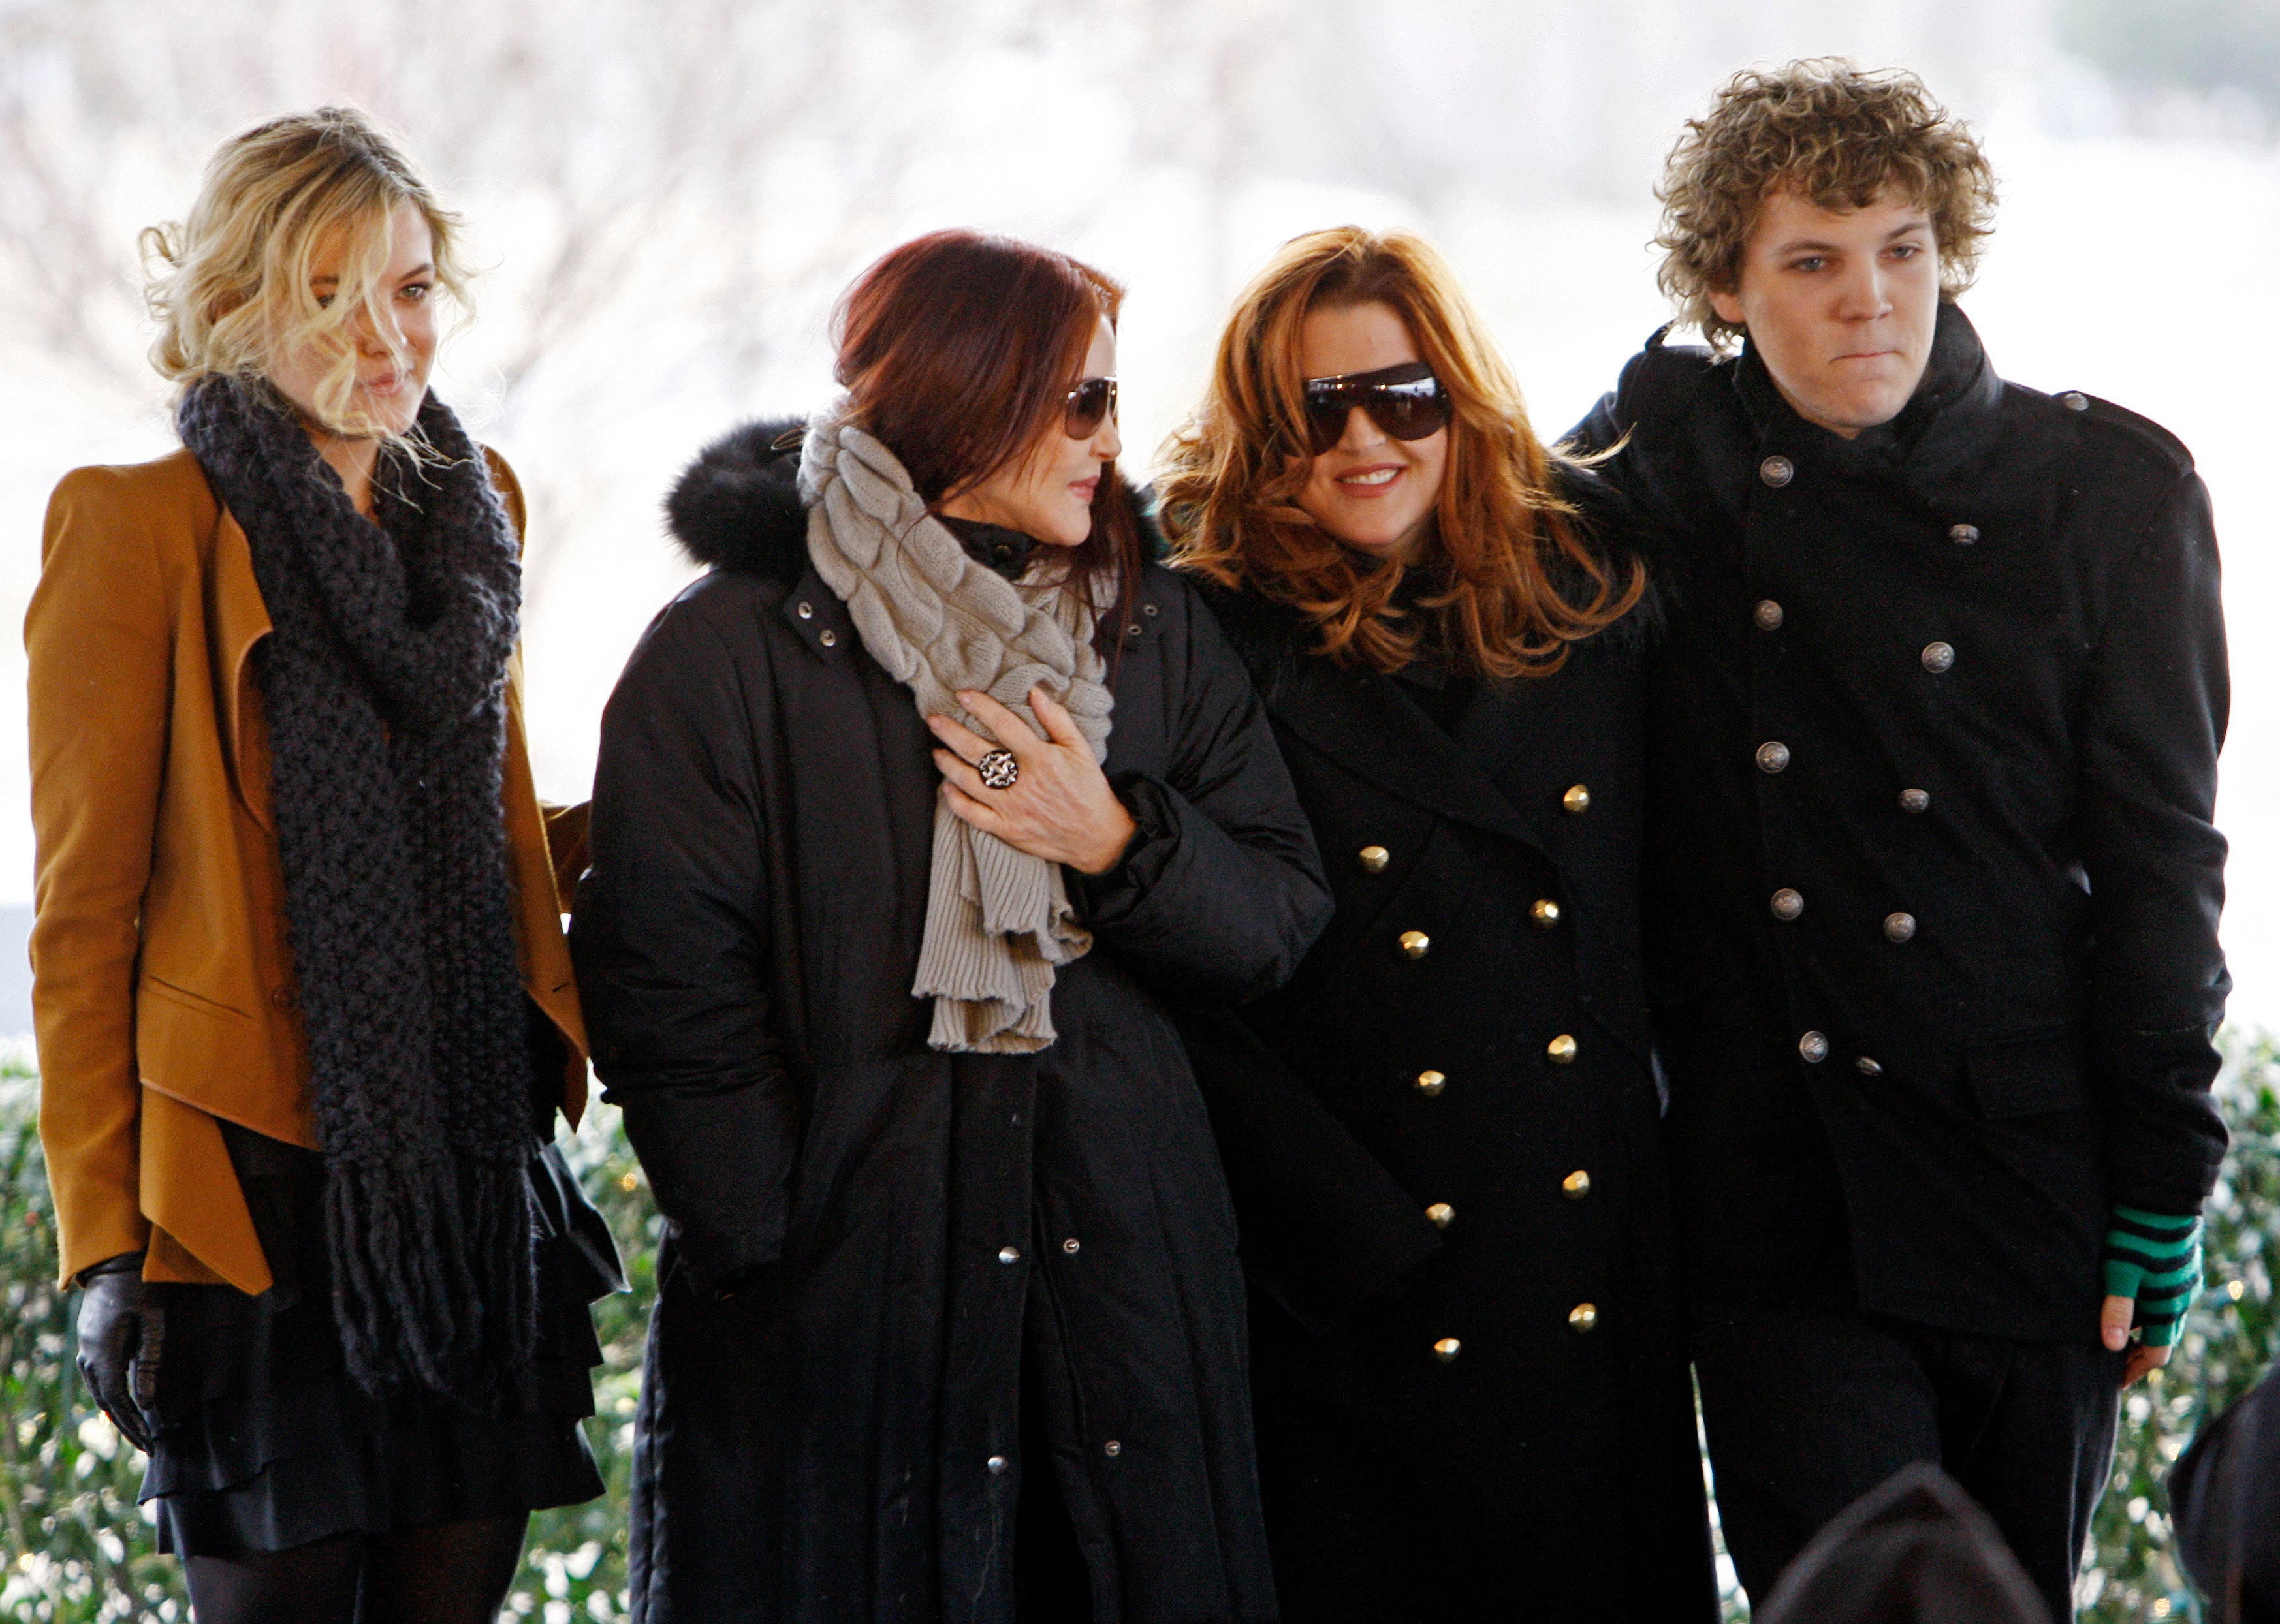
1773,756
1582,1317
807,611
1867,1067
1576,1185
1545,912
1430,1083
1768,615
1560,1051
1112,1449
1447,1349
1578,798
1812,1048
1787,904
1963,536
1915,800
1440,1212
828,638
283,997
1776,470
1415,943
1900,927
1374,860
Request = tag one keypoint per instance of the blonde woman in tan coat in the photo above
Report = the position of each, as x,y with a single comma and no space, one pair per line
304,1011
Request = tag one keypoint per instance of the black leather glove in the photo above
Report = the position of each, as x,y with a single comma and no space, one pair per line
122,1332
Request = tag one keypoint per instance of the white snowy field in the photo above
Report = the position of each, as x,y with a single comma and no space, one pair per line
2137,270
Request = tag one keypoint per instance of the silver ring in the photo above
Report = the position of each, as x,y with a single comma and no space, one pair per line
998,769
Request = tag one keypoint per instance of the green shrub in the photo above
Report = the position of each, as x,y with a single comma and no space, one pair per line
74,1549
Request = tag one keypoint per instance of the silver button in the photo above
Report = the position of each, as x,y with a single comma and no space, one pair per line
1777,471
1069,1246
1813,1047
1112,1449
828,638
1768,615
997,1465
1009,1254
1787,904
1900,927
1867,1067
1915,800
807,611
2075,400
1773,756
1963,536
1938,657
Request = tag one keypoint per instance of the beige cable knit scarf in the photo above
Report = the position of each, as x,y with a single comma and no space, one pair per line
998,920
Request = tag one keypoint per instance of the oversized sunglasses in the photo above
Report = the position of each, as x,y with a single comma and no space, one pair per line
1407,402
1091,401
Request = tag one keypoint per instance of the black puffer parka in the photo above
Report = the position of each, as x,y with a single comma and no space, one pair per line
839,1437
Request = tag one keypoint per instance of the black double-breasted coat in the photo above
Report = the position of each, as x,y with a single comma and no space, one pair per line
1934,887
838,1438
1442,1137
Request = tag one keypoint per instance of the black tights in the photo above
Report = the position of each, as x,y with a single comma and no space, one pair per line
454,1573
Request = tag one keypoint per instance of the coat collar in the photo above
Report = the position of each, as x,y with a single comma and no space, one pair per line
239,619
1360,719
1950,421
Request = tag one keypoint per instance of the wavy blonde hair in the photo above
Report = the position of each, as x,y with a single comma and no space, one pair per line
230,284
1838,135
1515,586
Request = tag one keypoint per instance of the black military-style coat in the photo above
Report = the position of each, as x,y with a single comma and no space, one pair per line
1443,1145
1934,888
919,1237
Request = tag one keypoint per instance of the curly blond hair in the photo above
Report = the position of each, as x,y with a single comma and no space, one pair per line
229,285
1515,587
1834,133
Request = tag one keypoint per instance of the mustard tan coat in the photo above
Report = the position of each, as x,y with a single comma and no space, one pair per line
163,992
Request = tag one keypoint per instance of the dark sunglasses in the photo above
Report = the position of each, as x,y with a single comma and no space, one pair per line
1093,400
1407,402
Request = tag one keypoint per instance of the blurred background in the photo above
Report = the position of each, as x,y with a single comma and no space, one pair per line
666,197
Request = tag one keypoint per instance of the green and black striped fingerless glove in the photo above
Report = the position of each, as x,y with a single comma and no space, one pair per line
2156,1258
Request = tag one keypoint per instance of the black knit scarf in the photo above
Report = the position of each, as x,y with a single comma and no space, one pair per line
384,683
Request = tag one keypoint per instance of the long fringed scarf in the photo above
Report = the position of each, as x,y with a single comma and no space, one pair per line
999,920
383,680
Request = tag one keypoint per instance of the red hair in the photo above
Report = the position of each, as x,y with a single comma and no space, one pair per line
958,350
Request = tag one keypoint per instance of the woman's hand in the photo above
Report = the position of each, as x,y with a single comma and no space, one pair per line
1060,808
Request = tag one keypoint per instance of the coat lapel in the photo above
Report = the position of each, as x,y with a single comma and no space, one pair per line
239,618
1357,719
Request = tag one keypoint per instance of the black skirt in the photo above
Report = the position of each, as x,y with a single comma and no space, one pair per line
265,1441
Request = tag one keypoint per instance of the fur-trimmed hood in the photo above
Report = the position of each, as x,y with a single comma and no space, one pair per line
736,506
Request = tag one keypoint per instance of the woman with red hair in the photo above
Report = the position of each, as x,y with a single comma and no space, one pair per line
911,816
1442,1136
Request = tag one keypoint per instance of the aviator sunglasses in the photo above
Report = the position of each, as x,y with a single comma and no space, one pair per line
1407,402
1093,400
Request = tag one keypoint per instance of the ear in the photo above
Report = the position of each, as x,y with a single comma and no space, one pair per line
1727,304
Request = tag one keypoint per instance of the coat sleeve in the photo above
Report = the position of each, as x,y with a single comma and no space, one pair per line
2151,726
1221,893
100,651
672,942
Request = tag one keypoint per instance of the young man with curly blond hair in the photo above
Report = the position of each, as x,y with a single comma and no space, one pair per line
1934,730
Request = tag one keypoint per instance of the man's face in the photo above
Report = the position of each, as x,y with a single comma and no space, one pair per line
1840,305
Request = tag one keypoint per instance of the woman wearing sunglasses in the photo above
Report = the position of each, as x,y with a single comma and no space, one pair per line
1443,1135
910,816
